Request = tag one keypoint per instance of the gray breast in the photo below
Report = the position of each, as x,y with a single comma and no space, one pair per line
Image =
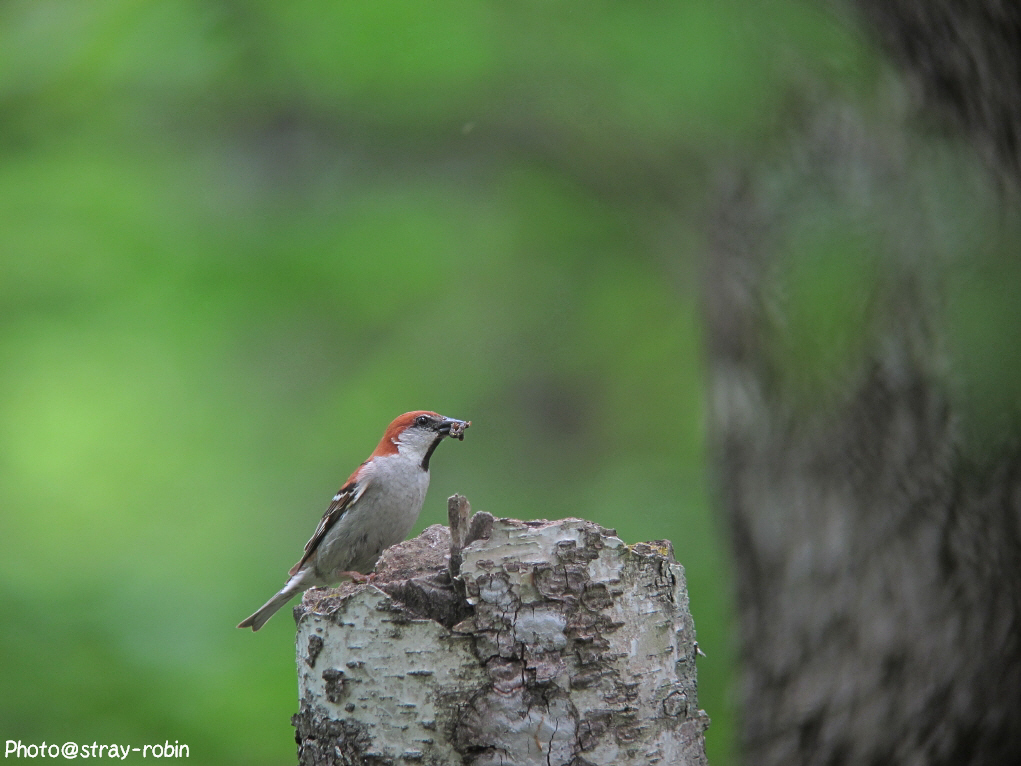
383,516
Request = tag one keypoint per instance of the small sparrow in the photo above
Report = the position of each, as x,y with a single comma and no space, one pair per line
376,508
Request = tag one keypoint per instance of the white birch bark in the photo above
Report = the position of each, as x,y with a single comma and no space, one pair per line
557,645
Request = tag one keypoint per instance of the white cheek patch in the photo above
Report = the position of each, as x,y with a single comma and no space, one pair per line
414,442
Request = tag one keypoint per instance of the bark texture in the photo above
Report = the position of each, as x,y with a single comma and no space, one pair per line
554,643
964,59
878,566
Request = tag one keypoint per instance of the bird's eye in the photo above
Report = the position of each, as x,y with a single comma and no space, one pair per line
422,420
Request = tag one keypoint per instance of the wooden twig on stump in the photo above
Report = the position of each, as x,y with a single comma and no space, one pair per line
503,642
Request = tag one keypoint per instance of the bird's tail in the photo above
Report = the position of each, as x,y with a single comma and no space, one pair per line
294,585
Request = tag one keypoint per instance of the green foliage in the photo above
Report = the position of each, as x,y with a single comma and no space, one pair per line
826,327
236,239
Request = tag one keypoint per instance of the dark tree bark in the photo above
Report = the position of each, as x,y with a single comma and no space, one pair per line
878,565
964,59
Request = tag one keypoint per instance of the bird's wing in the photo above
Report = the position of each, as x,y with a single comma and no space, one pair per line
345,496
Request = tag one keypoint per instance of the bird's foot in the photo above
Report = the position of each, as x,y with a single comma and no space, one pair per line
358,577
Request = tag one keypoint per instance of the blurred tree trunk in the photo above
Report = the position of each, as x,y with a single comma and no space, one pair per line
878,564
554,644
964,61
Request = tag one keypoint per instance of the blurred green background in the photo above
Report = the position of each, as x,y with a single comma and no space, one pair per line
236,239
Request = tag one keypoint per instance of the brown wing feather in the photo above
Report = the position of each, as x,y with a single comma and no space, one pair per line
342,501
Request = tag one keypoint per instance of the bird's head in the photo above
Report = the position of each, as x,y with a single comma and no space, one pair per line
416,434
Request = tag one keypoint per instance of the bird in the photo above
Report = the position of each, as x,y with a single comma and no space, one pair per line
375,508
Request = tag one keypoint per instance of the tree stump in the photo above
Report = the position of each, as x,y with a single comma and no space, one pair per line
506,642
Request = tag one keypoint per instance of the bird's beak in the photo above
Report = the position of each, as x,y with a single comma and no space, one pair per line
453,428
